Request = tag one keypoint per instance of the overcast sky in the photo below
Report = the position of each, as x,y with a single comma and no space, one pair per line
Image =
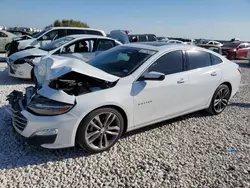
215,19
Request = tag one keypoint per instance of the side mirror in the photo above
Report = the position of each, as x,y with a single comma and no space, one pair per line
157,76
45,37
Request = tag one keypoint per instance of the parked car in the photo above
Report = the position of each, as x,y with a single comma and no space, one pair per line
214,48
163,39
5,40
85,47
125,88
216,43
141,37
175,41
235,50
18,32
48,35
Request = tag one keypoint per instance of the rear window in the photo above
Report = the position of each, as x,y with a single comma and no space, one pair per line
198,59
152,38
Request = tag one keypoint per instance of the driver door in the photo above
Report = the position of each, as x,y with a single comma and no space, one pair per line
156,100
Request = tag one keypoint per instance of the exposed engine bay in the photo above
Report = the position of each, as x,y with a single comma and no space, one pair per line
74,83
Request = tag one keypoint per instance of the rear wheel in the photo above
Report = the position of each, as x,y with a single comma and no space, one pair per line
100,130
220,100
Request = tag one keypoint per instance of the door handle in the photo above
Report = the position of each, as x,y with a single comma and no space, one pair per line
181,81
214,74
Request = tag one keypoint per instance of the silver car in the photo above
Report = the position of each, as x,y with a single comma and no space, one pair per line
5,40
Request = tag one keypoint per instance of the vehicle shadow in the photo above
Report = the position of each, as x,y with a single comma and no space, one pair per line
243,65
15,152
2,60
242,105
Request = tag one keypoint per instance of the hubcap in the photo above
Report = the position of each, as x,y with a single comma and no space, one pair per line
102,130
221,100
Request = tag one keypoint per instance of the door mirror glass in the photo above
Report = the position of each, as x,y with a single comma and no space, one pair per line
153,76
45,37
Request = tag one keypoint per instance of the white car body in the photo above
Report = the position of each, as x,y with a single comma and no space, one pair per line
142,102
40,41
215,43
24,70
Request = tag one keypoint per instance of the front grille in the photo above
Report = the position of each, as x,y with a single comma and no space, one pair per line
13,48
18,120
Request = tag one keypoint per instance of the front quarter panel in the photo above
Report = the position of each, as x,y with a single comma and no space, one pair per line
120,95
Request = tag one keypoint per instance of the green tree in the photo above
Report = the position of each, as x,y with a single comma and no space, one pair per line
68,23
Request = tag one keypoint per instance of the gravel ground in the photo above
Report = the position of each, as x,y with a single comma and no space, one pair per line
190,151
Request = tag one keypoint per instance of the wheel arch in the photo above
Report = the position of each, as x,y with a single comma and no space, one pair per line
229,85
118,108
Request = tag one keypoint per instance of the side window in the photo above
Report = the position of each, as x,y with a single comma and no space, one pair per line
75,31
151,38
169,63
215,59
82,46
198,59
3,35
92,32
104,45
142,38
242,46
52,35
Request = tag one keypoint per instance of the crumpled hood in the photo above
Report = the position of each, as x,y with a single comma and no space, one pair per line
26,53
51,67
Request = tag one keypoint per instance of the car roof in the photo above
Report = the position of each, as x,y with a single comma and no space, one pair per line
83,36
81,28
164,46
7,32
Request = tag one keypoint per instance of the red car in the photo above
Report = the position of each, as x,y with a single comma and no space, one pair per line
236,50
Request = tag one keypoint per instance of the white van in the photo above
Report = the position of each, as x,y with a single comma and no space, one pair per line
48,35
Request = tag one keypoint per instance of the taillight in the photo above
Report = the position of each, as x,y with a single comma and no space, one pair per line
239,70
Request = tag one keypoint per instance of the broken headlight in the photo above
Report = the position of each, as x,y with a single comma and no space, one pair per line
28,60
44,106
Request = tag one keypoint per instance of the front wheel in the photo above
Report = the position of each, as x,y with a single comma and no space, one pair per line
100,130
220,100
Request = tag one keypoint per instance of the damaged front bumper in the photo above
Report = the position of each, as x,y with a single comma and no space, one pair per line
46,131
19,70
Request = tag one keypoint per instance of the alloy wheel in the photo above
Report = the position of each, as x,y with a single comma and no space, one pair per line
102,130
221,100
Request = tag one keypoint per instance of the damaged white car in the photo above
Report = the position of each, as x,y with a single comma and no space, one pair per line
122,89
85,47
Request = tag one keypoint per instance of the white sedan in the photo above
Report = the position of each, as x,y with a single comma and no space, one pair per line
125,88
21,64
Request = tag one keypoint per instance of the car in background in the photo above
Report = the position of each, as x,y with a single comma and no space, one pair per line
125,36
21,34
141,37
214,48
50,34
21,64
235,50
5,40
175,41
125,88
162,39
216,43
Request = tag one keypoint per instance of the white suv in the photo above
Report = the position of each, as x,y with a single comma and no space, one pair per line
48,35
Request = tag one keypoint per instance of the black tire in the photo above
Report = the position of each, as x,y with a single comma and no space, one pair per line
84,141
7,46
233,56
223,101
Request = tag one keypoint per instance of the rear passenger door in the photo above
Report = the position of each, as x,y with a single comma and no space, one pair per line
204,76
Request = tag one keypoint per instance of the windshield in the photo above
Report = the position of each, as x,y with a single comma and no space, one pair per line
56,43
41,33
233,44
121,61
